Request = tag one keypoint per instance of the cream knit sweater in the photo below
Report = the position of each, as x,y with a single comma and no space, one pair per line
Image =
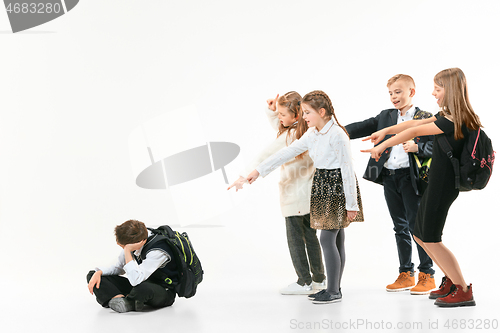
295,177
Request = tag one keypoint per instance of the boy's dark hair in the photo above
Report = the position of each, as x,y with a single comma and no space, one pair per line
130,232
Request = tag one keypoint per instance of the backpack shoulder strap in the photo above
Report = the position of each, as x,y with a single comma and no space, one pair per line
421,114
446,148
166,230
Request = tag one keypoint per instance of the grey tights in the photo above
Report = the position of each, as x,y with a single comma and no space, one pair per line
332,243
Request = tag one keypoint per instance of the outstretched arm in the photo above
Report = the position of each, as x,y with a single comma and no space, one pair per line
405,135
381,134
281,157
279,143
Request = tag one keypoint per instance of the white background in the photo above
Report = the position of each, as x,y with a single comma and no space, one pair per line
72,91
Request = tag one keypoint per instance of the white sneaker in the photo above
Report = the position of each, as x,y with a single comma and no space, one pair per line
319,285
296,289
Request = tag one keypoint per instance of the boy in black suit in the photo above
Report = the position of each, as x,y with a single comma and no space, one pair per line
397,171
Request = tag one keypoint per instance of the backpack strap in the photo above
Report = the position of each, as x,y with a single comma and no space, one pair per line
446,148
418,161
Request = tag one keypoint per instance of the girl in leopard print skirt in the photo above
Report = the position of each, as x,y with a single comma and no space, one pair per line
335,197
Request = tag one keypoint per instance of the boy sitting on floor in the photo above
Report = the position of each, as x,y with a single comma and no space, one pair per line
140,259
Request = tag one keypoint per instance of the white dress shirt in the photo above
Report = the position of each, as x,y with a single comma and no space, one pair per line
329,149
398,158
137,273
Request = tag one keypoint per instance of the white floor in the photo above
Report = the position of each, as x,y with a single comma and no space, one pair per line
245,266
258,308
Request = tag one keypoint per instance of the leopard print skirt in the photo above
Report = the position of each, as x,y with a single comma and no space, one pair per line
328,209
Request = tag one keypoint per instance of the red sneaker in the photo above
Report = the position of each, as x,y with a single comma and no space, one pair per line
457,297
444,289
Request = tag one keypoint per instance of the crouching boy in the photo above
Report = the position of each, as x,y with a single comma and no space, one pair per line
145,263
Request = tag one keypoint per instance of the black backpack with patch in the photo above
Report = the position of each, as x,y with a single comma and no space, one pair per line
187,262
474,166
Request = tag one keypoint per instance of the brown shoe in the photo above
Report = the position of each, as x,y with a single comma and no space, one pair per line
457,297
405,281
444,289
424,285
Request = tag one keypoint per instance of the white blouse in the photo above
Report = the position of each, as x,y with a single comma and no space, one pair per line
329,149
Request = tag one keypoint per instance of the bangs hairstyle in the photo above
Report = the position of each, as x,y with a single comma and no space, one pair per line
130,232
291,101
456,100
401,77
317,99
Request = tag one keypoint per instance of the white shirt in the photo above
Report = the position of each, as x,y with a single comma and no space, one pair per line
398,159
137,273
329,149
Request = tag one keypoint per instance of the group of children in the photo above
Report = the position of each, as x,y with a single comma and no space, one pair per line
319,190
335,200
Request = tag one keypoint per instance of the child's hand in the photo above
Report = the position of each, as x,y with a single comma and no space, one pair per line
376,137
253,176
95,280
135,246
271,103
238,184
351,215
410,146
376,152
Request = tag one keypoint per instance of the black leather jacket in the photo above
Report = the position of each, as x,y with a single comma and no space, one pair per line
385,119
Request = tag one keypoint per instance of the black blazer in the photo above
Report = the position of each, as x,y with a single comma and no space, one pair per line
385,119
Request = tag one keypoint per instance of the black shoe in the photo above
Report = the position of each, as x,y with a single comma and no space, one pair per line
313,296
327,297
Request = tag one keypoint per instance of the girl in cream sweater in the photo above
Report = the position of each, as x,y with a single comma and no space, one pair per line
295,191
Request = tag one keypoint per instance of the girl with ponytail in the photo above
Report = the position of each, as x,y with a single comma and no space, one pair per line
454,122
335,198
285,116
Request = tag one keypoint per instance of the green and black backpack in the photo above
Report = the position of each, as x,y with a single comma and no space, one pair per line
190,272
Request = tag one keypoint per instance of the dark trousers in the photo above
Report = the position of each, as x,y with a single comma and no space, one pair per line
146,292
403,205
300,236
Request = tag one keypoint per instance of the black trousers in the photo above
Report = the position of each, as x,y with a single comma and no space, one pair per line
146,292
403,206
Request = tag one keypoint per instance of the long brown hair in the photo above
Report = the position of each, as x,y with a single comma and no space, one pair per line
456,100
291,101
317,99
